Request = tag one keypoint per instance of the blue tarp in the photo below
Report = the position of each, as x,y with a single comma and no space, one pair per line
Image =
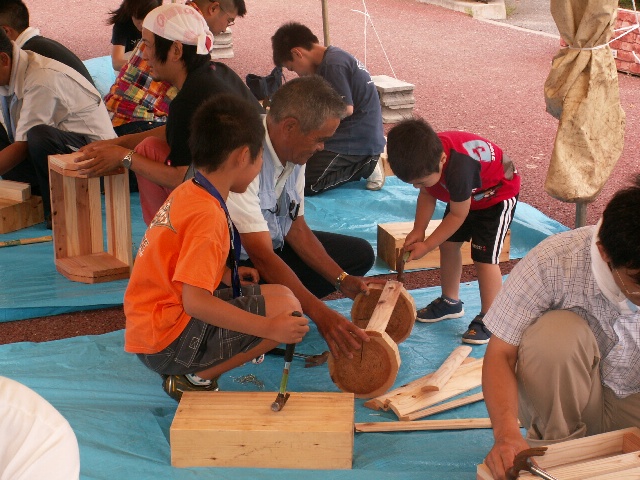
32,287
121,416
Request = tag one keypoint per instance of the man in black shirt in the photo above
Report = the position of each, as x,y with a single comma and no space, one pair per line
177,44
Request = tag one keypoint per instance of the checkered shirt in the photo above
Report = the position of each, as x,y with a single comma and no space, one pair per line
135,96
557,275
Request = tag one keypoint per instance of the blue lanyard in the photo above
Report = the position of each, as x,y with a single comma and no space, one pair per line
234,252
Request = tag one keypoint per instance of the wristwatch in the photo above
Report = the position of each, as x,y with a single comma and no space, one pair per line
128,158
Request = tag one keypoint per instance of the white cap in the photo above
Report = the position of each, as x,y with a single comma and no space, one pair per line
180,23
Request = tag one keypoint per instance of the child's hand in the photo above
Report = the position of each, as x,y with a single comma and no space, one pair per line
414,236
286,328
248,275
417,250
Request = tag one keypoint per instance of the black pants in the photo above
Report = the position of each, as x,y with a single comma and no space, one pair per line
42,141
326,170
353,254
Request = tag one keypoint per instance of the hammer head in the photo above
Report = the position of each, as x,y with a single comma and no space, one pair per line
523,461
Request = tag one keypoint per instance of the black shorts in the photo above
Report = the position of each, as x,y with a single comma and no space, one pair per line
486,229
202,345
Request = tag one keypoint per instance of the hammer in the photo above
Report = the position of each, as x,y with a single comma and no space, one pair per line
283,396
523,461
400,261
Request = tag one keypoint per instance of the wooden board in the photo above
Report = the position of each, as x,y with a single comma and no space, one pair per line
414,388
443,407
588,457
401,320
18,191
391,238
455,424
464,379
64,164
16,215
239,429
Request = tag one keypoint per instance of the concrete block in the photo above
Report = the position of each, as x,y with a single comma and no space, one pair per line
492,10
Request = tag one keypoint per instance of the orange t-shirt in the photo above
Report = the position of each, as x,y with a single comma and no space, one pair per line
187,242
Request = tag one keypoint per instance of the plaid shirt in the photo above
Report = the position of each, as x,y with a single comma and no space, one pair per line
563,273
135,96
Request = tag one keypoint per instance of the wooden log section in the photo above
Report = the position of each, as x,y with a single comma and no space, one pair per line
401,319
372,370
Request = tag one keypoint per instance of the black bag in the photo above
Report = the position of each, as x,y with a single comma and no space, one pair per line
264,87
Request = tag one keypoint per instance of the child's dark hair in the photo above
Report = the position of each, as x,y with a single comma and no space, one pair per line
620,230
190,57
132,8
414,150
14,14
219,126
288,36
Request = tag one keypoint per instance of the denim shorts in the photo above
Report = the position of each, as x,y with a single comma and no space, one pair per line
202,345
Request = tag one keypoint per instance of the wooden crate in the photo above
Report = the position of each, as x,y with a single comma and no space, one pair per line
239,429
18,191
16,215
391,239
612,455
78,238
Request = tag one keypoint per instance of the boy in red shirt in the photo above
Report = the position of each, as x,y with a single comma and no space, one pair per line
480,186
178,321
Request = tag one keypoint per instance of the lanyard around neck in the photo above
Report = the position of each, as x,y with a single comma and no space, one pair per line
235,246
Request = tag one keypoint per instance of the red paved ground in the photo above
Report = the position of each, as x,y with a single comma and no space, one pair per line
468,74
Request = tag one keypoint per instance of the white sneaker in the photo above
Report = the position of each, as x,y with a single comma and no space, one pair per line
377,177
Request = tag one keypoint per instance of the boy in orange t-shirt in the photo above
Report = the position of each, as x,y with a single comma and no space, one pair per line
178,321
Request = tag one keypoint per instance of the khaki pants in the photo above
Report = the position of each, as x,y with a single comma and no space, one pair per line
559,389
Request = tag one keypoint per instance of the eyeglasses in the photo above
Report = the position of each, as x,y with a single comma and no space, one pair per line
623,285
231,20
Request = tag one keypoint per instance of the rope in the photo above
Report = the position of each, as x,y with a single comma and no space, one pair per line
368,19
625,30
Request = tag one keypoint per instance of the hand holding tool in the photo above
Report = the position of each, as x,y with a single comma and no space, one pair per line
309,360
402,259
283,396
523,461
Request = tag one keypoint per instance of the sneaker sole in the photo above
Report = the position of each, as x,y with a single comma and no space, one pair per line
444,317
475,342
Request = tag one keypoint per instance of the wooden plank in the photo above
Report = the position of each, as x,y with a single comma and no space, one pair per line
16,215
238,429
588,457
441,376
629,474
390,240
630,443
18,191
118,210
384,308
470,377
456,424
476,397
580,471
584,449
413,387
64,164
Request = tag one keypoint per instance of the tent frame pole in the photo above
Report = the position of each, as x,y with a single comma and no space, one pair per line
325,22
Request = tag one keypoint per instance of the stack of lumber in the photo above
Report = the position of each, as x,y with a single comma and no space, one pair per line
18,208
396,98
423,396
222,45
